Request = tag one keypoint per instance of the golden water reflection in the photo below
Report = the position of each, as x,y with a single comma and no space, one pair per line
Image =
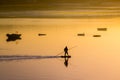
93,58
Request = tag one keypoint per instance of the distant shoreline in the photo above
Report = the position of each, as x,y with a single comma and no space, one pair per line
59,9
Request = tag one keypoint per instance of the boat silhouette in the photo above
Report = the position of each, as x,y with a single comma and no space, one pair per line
42,34
102,29
81,34
13,37
96,35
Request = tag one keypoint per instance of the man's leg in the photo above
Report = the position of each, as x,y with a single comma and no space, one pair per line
67,53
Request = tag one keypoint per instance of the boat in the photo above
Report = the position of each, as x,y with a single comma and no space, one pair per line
81,34
65,56
96,35
13,37
102,29
41,34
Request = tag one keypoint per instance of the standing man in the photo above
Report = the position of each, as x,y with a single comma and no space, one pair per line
66,51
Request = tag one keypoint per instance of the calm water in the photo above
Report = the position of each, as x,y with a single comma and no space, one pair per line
92,58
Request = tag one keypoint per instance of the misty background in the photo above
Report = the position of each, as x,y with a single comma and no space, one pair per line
59,8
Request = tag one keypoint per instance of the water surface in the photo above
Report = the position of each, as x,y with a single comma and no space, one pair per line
92,58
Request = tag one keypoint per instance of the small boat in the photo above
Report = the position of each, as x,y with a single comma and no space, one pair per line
41,34
102,29
65,56
81,34
13,37
96,35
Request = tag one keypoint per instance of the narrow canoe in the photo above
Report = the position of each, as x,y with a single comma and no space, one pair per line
65,56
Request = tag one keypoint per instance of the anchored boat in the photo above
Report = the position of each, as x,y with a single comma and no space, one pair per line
42,34
102,29
65,56
96,35
13,37
81,34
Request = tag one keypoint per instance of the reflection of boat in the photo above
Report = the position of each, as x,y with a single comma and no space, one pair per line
102,29
96,35
13,37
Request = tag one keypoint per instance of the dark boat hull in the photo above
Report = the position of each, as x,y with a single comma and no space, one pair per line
102,29
41,34
96,35
65,56
13,37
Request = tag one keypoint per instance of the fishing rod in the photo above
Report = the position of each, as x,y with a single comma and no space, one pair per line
59,53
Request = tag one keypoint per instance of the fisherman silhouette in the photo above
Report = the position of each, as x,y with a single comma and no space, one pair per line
66,51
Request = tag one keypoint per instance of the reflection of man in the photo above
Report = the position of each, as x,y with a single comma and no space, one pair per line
66,61
66,50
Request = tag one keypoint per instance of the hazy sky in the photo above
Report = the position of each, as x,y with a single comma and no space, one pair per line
55,8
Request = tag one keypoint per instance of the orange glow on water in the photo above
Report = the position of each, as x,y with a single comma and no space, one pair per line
93,58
